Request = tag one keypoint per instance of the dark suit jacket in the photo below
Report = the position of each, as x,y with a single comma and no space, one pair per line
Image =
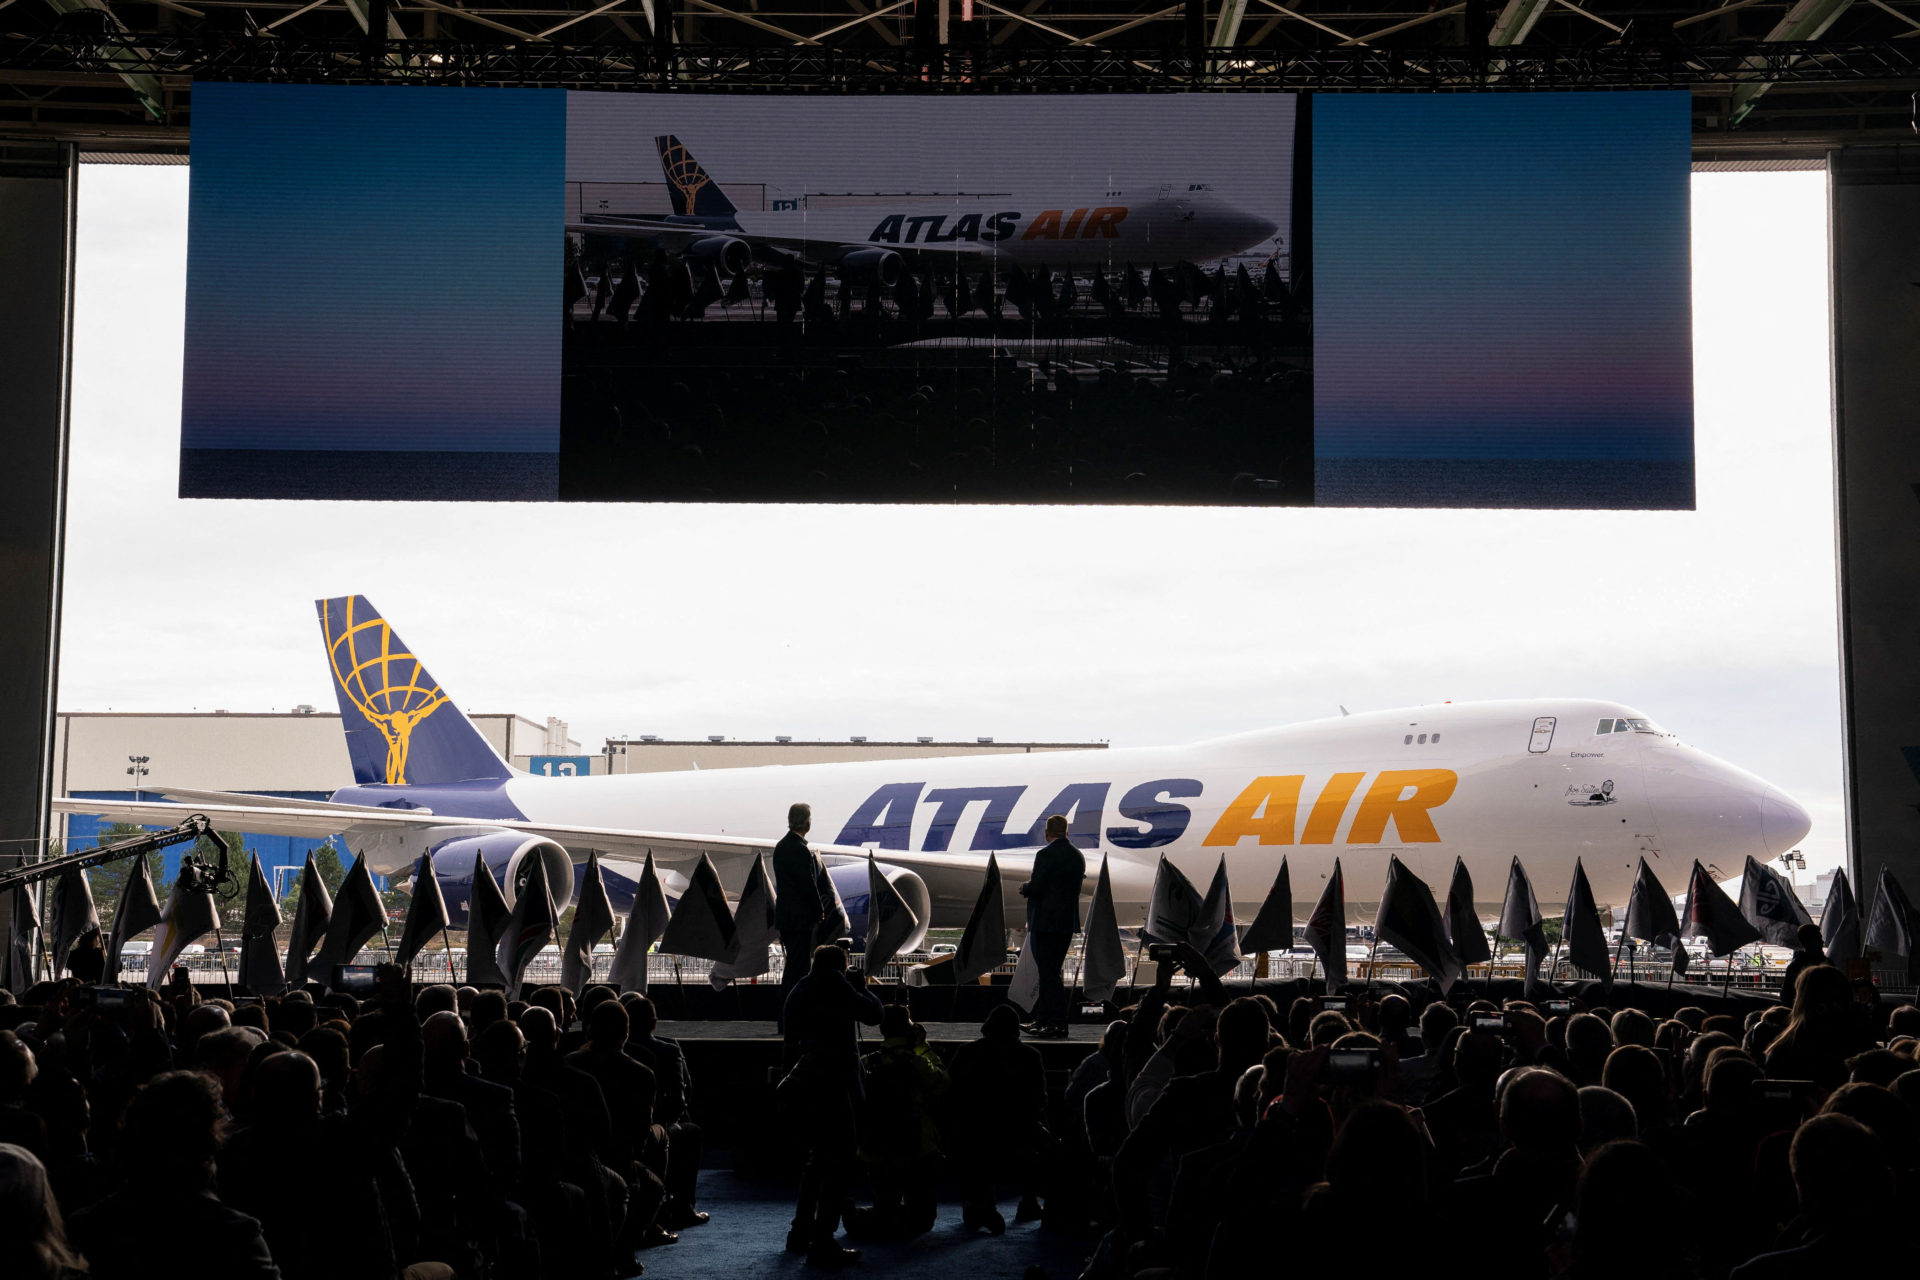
796,895
1053,895
490,1112
628,1085
672,1081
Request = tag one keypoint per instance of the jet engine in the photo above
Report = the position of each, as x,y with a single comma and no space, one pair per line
730,254
850,879
871,266
509,856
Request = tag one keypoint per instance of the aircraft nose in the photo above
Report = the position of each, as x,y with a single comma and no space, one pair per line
1783,823
1705,808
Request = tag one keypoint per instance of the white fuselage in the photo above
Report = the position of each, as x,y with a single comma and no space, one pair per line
1484,782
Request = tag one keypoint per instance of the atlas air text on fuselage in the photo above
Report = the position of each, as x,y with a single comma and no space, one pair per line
1267,811
1098,223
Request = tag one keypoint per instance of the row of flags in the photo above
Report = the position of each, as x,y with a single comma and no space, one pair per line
1444,939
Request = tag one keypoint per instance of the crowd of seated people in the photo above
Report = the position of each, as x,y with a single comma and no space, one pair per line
418,1133
1225,1134
439,1132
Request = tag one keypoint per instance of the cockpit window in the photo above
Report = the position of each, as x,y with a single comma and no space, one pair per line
1606,726
1621,726
1644,726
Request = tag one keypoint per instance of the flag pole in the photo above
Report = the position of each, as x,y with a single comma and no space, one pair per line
1371,953
447,943
1553,970
1726,984
221,943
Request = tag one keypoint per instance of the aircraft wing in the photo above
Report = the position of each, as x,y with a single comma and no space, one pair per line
270,815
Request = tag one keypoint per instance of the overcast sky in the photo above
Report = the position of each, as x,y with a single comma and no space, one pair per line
1137,626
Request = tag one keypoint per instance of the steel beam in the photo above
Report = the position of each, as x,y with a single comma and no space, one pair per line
1807,20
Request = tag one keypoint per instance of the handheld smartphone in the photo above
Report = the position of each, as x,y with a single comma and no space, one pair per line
1333,1004
1492,1023
1352,1064
179,978
1163,952
110,999
1782,1090
354,979
1559,1008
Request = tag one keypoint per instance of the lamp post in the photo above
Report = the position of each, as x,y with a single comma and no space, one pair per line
137,769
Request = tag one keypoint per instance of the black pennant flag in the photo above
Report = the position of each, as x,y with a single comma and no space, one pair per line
260,970
1463,922
1272,927
1327,930
1410,920
426,914
1580,926
1712,915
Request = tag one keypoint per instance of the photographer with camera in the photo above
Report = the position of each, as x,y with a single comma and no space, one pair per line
820,1094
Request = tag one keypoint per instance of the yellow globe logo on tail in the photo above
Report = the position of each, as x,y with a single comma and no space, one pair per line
384,682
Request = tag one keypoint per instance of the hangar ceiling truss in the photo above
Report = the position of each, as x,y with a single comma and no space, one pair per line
1770,79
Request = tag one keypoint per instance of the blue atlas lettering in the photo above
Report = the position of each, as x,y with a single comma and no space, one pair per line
1000,226
1083,803
1166,821
884,818
953,802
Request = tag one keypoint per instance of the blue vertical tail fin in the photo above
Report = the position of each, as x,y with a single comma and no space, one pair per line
402,728
695,195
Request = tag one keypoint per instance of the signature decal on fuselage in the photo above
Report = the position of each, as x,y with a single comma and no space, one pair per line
1268,810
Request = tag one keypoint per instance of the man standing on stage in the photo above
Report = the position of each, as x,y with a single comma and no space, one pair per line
1053,917
797,908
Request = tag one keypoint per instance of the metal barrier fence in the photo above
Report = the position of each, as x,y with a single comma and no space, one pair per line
431,967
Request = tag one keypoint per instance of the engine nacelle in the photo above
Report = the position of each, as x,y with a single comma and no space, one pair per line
729,254
508,856
850,879
871,266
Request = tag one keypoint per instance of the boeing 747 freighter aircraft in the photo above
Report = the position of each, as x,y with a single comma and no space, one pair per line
1547,779
1161,225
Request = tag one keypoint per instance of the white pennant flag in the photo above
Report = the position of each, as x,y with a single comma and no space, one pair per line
1024,990
188,914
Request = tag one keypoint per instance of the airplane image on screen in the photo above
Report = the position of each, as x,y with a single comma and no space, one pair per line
1545,779
1164,225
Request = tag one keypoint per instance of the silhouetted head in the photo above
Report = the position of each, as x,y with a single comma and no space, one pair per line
800,818
1002,1023
1839,1168
609,1026
1057,826
829,957
641,1013
1605,1117
1540,1113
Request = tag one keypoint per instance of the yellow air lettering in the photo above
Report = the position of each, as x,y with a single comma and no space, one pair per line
1330,808
1267,809
1385,802
1044,227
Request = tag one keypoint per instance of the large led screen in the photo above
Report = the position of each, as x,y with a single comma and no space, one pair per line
1250,299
